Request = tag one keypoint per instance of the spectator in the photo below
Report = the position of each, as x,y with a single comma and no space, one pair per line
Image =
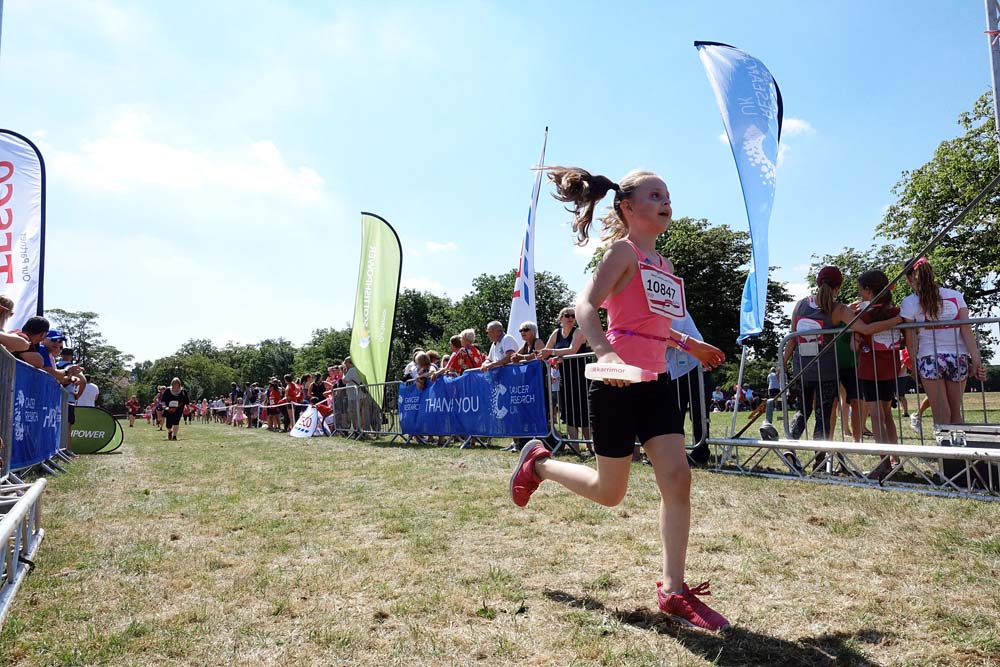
820,383
353,380
503,348
12,341
273,399
293,395
685,386
773,384
718,400
423,370
943,356
878,362
461,358
239,414
88,397
435,358
28,349
531,346
174,399
66,356
410,370
568,345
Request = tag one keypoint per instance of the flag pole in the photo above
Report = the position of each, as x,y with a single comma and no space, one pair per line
993,40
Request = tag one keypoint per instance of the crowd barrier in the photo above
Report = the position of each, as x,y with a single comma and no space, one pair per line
916,461
20,536
34,432
956,459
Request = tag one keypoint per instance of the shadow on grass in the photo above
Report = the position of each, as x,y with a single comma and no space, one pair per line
738,646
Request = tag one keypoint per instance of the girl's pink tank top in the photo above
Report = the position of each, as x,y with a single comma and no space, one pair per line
637,335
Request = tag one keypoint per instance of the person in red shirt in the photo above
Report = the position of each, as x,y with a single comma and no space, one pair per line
293,394
273,398
878,362
132,407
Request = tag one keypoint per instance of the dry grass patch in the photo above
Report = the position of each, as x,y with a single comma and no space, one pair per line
249,548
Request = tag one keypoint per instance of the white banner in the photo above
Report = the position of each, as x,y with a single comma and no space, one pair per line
307,423
522,303
22,224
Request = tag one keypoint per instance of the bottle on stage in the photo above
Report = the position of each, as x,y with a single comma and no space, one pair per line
599,371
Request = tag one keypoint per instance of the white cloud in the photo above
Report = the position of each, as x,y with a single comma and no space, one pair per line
798,291
434,246
724,139
588,249
795,127
126,157
422,284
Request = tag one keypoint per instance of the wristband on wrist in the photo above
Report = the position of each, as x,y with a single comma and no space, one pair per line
682,342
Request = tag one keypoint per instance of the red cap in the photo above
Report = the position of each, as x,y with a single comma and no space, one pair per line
831,276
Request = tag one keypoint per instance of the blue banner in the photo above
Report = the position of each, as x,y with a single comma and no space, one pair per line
506,402
751,107
37,417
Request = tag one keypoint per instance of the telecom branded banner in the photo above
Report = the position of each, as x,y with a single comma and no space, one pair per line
522,302
506,402
375,303
750,102
37,417
22,226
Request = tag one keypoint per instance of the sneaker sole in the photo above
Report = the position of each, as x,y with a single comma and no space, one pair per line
680,620
527,449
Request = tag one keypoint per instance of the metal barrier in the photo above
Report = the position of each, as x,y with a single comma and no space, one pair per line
902,454
8,366
20,536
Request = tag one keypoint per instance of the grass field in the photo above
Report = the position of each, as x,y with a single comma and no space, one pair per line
232,547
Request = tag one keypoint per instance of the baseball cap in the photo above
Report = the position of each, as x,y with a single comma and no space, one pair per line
55,334
830,275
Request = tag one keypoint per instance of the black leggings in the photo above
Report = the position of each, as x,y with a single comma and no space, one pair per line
824,394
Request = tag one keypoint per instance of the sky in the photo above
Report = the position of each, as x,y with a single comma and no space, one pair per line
207,162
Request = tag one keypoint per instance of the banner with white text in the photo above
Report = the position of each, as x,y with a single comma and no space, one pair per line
375,303
506,402
22,226
750,102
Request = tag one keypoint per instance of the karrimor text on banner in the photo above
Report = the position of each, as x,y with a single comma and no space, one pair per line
37,417
22,226
506,402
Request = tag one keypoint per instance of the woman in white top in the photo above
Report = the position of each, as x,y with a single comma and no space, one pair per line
942,353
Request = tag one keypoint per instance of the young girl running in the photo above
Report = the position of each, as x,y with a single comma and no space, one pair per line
638,334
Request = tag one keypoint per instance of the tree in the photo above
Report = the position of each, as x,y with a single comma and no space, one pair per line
326,348
490,298
422,320
713,260
968,258
104,364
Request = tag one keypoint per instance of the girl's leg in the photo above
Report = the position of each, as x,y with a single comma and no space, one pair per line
940,410
892,437
953,394
673,478
606,485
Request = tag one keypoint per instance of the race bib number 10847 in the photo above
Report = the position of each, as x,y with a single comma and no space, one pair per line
664,292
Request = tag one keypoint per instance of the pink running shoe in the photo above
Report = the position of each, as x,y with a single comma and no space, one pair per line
524,479
687,609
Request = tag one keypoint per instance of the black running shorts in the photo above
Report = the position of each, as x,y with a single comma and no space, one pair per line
622,416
